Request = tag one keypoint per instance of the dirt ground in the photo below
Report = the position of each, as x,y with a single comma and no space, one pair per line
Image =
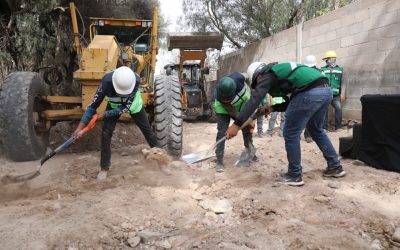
145,206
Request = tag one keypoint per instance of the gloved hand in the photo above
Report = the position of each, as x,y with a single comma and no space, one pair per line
77,130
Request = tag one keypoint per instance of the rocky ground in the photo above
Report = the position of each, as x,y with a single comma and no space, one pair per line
145,206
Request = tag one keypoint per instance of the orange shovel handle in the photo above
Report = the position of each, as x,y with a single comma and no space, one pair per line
89,126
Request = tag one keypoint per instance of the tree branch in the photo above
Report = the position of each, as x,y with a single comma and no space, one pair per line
211,6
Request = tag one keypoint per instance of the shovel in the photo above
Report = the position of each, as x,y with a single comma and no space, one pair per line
246,157
207,154
29,176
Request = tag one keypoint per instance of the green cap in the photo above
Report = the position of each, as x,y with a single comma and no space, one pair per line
226,88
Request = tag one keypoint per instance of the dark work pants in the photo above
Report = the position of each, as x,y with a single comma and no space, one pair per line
223,121
109,123
337,105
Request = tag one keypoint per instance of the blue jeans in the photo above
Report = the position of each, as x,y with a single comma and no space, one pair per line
337,106
308,109
272,121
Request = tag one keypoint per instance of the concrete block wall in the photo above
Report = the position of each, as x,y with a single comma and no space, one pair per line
365,36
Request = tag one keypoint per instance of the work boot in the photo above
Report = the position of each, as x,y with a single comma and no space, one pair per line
102,175
220,166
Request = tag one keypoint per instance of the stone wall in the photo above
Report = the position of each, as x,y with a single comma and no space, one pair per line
365,35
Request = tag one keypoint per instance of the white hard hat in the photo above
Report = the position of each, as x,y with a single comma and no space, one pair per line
252,71
310,61
123,80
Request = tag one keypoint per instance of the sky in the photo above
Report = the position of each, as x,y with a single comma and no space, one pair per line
171,10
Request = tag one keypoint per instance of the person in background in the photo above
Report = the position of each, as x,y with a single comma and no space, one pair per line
334,73
260,117
274,115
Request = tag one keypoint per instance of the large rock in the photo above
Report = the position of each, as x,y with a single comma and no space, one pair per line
218,206
396,235
134,241
376,245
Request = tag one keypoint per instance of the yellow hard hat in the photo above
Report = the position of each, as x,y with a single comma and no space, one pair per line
330,54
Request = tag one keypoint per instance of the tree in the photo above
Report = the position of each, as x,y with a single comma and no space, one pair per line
246,21
36,35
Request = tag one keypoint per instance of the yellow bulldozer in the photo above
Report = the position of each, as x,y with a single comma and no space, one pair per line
197,98
30,112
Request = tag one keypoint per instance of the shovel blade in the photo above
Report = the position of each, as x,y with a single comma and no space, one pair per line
7,179
246,157
197,157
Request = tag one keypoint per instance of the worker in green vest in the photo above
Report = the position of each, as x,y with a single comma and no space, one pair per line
121,90
231,94
334,73
274,115
310,97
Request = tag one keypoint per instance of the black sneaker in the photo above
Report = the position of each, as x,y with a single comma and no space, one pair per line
337,172
290,180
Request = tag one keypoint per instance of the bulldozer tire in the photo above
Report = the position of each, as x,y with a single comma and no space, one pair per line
168,113
19,100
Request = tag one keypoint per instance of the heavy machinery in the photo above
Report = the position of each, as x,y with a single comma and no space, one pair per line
191,70
29,113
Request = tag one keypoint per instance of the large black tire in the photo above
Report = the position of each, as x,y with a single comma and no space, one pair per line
168,113
19,99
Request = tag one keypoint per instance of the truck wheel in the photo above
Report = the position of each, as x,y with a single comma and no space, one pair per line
168,113
25,136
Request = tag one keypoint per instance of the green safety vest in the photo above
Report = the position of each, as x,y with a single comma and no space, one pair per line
297,74
291,76
334,76
277,100
136,106
237,103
